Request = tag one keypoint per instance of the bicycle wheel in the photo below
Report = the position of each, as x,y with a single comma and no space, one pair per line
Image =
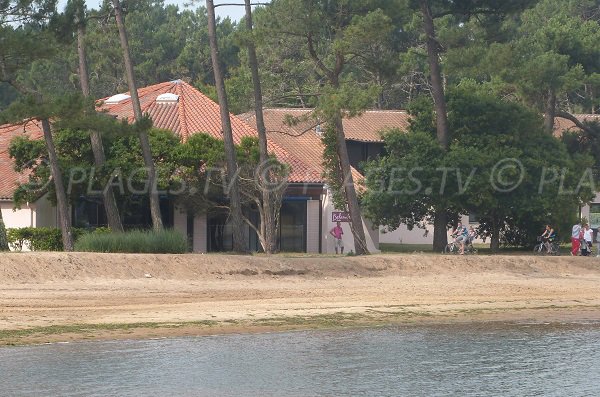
539,248
555,249
450,249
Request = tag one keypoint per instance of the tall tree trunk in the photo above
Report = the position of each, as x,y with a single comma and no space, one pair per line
3,237
495,237
137,110
347,182
64,219
358,232
440,230
437,85
108,197
550,112
440,238
234,193
270,208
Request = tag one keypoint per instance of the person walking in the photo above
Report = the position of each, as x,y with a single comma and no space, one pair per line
575,238
587,240
598,242
337,232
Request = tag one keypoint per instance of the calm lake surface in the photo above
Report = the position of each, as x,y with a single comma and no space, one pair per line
450,360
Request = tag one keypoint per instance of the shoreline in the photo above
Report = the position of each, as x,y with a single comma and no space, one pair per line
564,316
63,297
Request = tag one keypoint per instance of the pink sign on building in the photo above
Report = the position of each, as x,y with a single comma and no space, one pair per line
339,216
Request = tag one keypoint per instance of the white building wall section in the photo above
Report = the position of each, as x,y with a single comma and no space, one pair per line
328,243
199,243
417,235
313,209
14,218
180,221
404,236
45,213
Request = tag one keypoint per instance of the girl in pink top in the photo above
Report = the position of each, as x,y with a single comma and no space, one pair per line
337,233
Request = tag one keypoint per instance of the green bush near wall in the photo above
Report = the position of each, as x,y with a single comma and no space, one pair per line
35,239
166,241
43,238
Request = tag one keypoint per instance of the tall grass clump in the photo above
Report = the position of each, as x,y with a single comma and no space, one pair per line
166,241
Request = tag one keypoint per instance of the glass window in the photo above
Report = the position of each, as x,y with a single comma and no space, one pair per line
473,218
292,233
220,233
594,215
88,212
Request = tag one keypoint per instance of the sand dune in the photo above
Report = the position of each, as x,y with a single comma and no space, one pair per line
119,295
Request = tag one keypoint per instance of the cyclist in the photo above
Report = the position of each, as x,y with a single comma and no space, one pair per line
548,237
472,235
462,234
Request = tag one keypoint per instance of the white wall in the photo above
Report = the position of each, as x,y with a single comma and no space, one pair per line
24,217
404,236
200,234
45,213
417,236
313,208
328,243
180,221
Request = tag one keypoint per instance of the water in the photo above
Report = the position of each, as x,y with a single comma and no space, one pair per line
452,360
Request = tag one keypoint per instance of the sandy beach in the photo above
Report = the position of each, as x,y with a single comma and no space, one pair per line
50,297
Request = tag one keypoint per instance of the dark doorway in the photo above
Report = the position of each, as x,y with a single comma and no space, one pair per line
292,232
220,232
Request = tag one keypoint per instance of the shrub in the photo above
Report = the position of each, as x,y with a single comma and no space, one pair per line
136,241
43,238
3,236
35,239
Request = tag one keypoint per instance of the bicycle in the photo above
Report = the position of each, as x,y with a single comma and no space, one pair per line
454,248
541,248
451,248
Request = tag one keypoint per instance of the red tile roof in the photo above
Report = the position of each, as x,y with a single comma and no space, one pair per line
561,125
298,145
303,141
9,178
193,113
364,128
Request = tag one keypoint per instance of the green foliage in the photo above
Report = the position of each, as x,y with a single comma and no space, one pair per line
192,172
512,175
167,43
16,11
3,235
38,238
166,241
332,168
548,49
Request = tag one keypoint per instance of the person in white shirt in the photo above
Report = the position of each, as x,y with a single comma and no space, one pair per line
575,239
588,235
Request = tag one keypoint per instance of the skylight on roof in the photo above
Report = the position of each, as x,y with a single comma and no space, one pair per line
167,98
116,99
